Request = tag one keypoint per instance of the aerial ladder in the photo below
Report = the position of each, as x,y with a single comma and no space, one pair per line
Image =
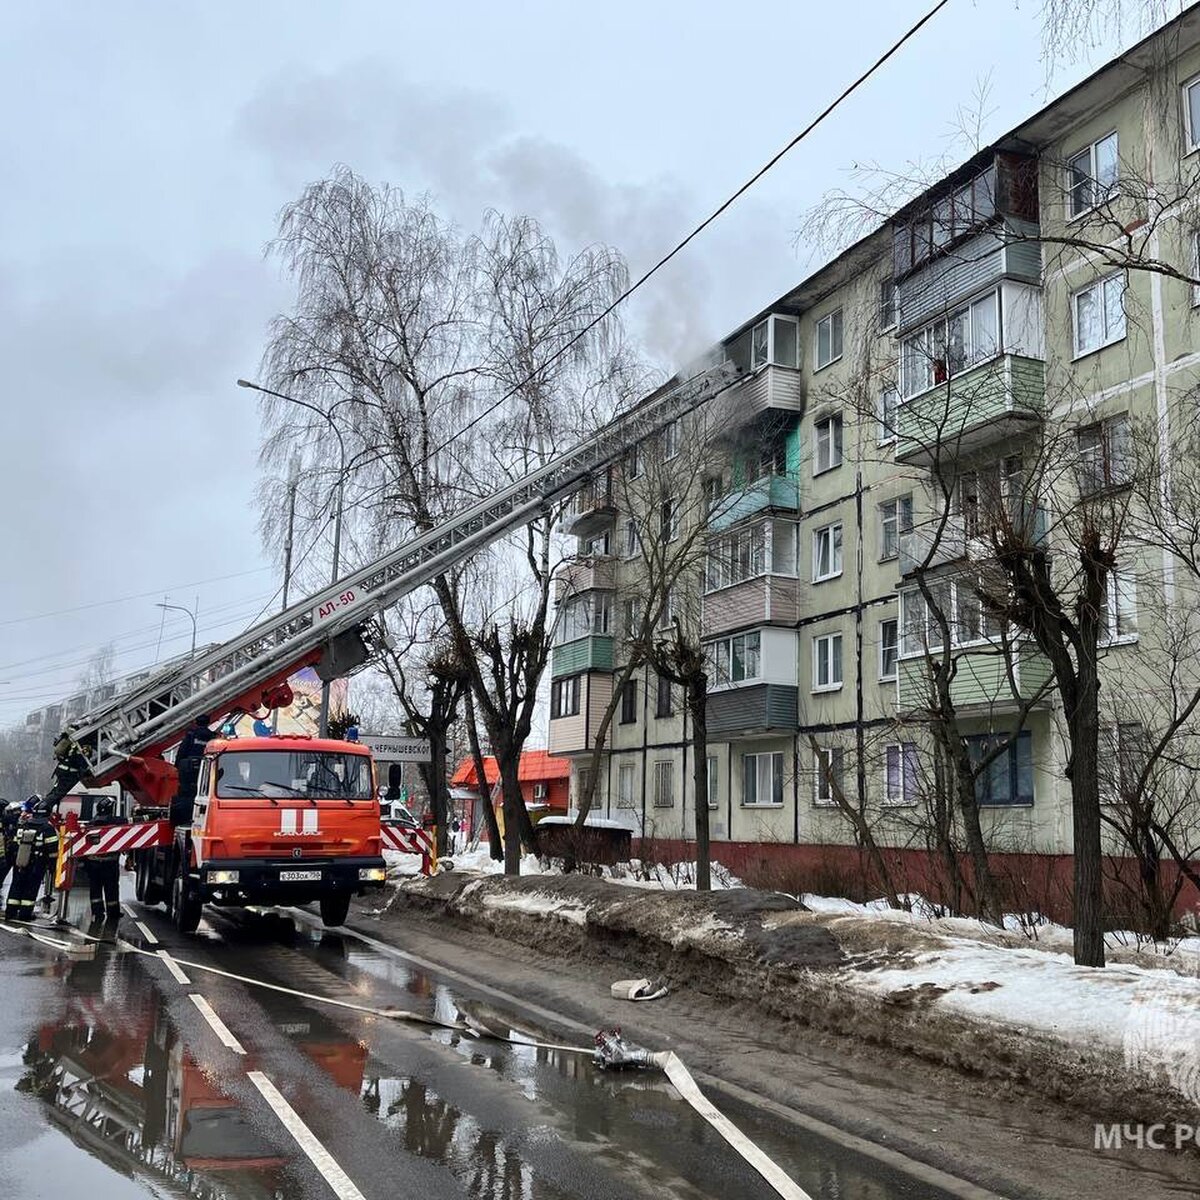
335,630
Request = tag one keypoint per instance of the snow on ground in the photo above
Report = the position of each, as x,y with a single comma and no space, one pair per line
539,905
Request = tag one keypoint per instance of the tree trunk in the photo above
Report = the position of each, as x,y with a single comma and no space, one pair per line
1084,724
514,807
697,699
495,842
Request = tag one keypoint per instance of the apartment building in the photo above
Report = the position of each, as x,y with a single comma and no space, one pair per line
891,404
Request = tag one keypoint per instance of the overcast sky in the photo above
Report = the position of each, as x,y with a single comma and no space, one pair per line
148,148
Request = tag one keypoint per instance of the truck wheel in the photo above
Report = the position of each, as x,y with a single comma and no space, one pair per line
334,908
145,888
185,905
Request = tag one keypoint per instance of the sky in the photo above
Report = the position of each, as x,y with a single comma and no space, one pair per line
149,148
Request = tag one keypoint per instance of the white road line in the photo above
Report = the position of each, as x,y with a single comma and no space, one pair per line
320,1158
146,933
218,1026
174,968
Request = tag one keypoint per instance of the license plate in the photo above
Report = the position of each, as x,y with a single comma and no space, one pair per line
298,876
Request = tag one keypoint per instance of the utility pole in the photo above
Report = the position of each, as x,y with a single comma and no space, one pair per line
293,482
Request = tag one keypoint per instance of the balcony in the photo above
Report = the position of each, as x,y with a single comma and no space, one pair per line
998,399
757,710
597,573
769,388
772,492
577,733
932,544
763,600
981,682
592,653
593,508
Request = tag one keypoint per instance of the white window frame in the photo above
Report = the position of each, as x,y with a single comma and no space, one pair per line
1108,338
1195,240
1191,135
887,425
1096,198
884,675
668,515
889,516
1120,586
626,771
1110,466
672,438
635,461
572,686
836,552
714,780
920,347
823,656
769,358
828,436
837,763
888,308
903,750
630,539
831,321
721,657
664,770
774,768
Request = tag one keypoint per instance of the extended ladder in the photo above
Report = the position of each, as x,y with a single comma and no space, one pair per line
315,631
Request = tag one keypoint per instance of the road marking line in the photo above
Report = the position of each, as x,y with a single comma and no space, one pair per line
218,1026
174,968
146,933
320,1158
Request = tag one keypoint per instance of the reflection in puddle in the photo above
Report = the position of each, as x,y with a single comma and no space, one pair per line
122,1086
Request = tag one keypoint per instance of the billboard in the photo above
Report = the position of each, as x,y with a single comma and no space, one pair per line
303,714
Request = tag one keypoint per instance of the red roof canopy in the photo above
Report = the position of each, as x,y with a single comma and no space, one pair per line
536,767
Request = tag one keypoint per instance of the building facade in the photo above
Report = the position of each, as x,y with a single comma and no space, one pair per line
989,354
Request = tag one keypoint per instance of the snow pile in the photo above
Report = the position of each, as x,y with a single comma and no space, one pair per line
540,905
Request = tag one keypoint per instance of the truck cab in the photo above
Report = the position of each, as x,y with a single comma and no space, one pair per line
278,820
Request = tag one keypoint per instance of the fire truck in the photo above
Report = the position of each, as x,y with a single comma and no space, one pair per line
284,832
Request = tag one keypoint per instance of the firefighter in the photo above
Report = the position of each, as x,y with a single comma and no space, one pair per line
37,848
188,758
70,766
104,871
9,819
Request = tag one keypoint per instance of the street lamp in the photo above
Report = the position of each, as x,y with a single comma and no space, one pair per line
180,608
323,720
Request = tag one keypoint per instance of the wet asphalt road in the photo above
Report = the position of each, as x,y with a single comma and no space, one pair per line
113,1084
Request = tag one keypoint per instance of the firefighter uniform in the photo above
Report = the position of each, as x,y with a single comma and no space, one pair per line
9,819
104,872
36,849
70,766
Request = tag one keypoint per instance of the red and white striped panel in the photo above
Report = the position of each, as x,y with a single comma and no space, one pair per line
116,839
407,841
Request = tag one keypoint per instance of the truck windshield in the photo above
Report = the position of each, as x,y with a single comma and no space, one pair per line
277,774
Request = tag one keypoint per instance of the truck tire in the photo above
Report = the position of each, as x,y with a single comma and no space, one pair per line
145,888
335,907
186,905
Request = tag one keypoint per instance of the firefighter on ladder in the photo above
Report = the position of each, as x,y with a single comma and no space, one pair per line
70,766
36,848
104,870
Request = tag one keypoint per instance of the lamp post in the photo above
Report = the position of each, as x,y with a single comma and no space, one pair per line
323,720
192,615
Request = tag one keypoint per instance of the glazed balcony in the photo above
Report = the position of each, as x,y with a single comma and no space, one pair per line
933,544
767,389
771,493
996,400
591,653
981,682
595,573
577,733
593,508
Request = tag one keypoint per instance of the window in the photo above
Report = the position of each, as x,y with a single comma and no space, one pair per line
950,346
714,492
629,696
631,541
1120,607
601,612
887,304
564,697
583,783
668,515
1195,245
1008,778
773,340
664,784
1092,175
828,772
1123,754
970,205
626,780
888,400
762,780
736,659
739,556
827,662
829,339
540,791
635,462
992,494
829,444
1104,454
895,518
1099,313
596,547
631,617
1191,114
662,706
666,614
889,648
714,788
900,773
671,436
827,552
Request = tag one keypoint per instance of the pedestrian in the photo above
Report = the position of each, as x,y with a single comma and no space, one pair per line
37,848
9,819
70,766
104,871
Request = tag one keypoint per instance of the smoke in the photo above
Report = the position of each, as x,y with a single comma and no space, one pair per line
464,148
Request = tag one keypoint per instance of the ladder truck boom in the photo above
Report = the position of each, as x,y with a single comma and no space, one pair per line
124,740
